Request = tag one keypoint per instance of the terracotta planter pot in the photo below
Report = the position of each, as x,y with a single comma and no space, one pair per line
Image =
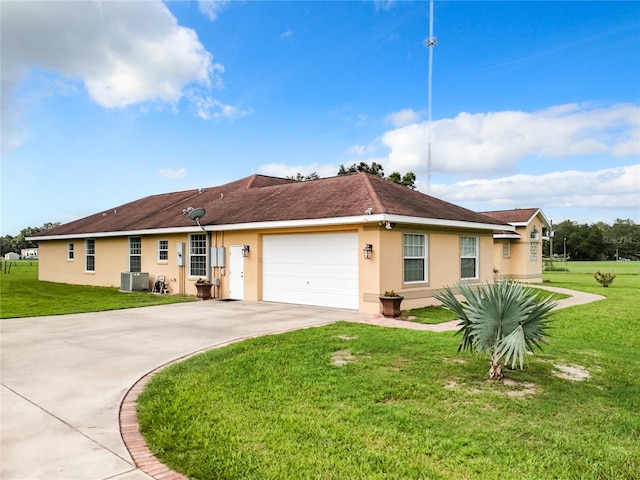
204,290
391,306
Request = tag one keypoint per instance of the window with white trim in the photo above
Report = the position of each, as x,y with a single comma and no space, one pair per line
468,258
163,250
198,255
90,255
506,249
70,251
135,254
533,252
415,258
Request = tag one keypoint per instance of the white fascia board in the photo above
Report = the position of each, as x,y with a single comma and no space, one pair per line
501,236
438,222
359,219
125,233
316,222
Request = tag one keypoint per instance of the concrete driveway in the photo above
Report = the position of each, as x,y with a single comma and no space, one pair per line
64,377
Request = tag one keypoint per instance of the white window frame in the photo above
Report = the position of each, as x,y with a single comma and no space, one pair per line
412,253
70,252
506,249
465,253
135,252
90,255
198,255
163,251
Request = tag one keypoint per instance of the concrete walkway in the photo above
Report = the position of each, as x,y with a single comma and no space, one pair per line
65,377
576,298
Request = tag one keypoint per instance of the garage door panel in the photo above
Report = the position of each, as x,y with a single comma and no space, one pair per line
311,269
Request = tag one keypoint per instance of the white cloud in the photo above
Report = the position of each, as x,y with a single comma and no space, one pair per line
209,108
612,188
383,4
403,118
211,8
283,170
173,174
124,53
287,35
494,142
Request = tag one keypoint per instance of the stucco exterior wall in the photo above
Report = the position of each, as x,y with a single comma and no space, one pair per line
384,271
443,266
519,266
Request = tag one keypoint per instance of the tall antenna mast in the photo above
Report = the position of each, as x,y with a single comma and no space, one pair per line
429,43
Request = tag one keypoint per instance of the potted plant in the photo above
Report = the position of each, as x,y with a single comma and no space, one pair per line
203,286
391,303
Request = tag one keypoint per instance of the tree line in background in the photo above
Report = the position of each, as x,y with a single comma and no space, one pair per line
598,241
17,243
408,179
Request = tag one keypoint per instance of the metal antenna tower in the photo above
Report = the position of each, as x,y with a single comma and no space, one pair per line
429,43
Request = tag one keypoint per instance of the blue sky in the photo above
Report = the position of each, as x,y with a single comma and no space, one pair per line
535,104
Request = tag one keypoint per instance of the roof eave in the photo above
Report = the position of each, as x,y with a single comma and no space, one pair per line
315,222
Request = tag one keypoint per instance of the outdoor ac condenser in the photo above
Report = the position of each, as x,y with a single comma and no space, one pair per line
134,282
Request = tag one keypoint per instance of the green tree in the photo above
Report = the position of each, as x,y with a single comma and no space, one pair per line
408,179
586,243
373,169
622,239
6,244
17,243
298,177
503,319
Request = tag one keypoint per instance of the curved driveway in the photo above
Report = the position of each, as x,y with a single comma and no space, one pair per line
64,377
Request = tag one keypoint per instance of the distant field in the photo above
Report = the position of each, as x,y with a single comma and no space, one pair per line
23,295
619,268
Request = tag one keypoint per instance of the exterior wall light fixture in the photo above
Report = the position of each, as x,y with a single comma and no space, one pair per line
368,248
245,250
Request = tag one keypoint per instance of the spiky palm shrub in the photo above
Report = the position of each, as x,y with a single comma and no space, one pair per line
504,319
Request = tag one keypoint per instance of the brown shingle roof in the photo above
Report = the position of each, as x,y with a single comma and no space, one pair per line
518,215
261,198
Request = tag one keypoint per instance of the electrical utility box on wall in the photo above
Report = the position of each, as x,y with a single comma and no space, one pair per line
218,256
180,250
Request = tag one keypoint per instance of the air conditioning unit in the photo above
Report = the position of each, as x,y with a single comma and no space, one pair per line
134,282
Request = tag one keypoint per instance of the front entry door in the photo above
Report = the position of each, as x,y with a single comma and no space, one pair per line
236,272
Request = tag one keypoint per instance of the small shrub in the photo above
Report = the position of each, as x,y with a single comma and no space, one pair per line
604,279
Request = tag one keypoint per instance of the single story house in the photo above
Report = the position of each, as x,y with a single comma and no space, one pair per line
337,242
29,253
518,254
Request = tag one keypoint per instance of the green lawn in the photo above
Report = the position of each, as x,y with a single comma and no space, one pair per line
22,295
619,268
433,315
352,401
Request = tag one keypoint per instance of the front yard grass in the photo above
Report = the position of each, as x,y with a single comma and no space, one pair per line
363,402
432,315
23,295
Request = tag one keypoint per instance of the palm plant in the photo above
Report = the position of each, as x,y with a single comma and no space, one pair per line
505,319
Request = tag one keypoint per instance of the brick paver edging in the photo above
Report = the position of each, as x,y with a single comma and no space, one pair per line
133,439
137,446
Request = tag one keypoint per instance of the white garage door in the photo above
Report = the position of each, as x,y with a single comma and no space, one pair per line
313,269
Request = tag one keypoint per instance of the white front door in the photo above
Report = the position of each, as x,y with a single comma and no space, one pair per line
236,272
